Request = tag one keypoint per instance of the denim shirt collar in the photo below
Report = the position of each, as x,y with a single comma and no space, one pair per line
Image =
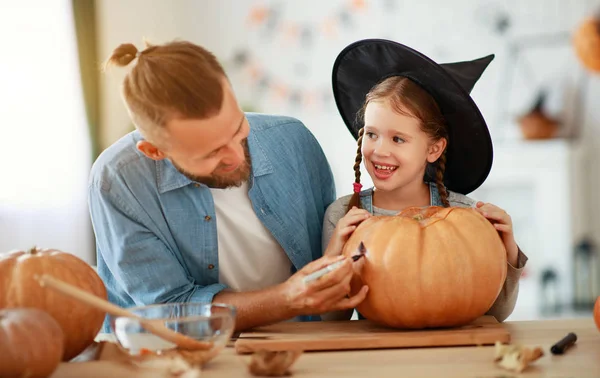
169,178
366,198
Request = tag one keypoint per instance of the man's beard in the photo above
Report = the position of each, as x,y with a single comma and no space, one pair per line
229,180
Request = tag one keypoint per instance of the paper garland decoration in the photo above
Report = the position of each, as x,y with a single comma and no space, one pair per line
267,20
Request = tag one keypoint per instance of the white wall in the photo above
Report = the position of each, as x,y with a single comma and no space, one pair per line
445,31
460,31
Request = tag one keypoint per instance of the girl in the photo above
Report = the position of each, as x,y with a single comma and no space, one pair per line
422,140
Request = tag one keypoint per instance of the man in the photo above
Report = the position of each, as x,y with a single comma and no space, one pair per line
206,203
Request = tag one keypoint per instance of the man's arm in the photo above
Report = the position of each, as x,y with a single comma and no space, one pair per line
142,264
294,297
257,308
151,273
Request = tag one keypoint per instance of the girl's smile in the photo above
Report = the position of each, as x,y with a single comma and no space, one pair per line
383,171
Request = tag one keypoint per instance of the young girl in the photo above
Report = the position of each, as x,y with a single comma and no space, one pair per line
422,140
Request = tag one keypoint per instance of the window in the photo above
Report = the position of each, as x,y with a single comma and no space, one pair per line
44,142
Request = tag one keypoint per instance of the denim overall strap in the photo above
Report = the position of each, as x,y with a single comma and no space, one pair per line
434,195
366,199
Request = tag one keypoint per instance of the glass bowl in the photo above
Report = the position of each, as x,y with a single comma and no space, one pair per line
213,323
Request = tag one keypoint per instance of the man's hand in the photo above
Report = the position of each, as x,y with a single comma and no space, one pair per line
327,293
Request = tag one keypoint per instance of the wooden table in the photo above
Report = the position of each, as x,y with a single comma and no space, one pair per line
582,360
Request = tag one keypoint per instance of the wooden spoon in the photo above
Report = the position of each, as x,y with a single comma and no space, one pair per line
157,328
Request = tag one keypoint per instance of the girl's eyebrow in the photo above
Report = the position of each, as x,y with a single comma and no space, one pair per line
406,136
400,133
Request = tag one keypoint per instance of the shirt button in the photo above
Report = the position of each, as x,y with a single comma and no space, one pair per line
207,218
197,185
211,266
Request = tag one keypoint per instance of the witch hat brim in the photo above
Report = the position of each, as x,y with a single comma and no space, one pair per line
363,64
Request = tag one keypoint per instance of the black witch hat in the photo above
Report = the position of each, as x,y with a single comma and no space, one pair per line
365,63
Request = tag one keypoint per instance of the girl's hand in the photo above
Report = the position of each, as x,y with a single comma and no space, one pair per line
343,229
503,223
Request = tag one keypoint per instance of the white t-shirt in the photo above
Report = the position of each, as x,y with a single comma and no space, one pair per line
249,256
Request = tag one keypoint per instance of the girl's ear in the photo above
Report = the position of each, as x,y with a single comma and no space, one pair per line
436,149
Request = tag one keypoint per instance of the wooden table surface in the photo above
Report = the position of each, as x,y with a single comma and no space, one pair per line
581,360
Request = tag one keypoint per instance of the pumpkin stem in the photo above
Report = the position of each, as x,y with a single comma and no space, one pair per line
33,250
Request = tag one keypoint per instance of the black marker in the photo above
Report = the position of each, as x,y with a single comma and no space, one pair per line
562,345
321,272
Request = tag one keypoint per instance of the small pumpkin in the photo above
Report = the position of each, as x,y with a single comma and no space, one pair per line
31,343
19,288
587,43
536,124
428,267
597,313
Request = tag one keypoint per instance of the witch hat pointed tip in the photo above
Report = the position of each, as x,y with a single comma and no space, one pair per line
485,60
490,57
468,73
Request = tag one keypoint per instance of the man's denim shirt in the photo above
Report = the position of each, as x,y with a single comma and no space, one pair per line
156,230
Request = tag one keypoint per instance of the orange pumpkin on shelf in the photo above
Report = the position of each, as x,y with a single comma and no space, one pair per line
536,124
431,267
587,43
19,288
31,343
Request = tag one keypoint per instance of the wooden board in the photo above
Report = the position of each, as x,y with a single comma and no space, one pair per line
364,334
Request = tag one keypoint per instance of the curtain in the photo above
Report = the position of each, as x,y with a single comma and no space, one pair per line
84,16
44,140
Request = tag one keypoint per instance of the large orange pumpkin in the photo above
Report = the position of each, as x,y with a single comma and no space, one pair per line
19,288
431,267
587,43
31,343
